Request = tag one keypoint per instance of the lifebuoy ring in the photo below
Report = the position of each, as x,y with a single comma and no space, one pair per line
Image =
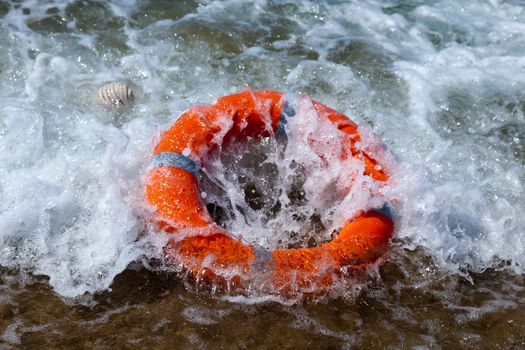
210,253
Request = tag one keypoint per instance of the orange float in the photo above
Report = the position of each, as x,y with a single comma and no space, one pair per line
206,251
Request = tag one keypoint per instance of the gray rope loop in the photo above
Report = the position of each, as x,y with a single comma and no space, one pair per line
176,160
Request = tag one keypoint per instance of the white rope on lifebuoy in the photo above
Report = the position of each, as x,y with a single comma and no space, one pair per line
116,94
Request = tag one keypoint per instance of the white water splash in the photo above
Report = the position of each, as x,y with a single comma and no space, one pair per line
441,83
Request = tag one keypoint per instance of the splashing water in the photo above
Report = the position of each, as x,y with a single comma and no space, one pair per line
71,172
293,189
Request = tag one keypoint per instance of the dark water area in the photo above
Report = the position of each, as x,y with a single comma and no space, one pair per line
145,309
440,83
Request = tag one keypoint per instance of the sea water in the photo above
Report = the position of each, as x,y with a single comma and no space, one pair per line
440,83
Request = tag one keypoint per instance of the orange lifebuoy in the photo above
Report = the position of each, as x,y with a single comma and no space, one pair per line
210,253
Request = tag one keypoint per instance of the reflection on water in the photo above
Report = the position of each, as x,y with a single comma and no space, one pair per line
440,82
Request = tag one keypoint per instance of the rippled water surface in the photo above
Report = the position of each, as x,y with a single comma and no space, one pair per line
441,83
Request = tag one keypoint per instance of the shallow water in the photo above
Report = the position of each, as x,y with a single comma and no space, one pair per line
441,83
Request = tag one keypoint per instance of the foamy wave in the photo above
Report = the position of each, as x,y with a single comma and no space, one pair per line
441,83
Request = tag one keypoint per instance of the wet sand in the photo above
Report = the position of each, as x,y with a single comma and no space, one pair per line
409,305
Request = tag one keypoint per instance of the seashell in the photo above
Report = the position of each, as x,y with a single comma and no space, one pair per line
116,94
